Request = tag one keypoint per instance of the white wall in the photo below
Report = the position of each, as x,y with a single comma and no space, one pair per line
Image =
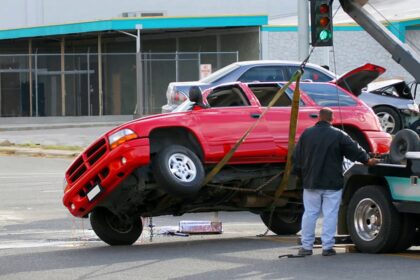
20,13
351,49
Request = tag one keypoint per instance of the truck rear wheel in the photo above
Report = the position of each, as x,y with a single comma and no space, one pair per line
373,222
282,223
112,229
407,233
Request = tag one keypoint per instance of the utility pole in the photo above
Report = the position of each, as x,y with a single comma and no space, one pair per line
303,29
139,74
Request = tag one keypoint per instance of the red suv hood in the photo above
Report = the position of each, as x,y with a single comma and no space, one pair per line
357,79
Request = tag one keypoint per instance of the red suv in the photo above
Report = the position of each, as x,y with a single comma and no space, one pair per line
156,165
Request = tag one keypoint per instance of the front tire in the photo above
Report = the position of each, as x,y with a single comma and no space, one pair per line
114,231
373,222
282,223
178,171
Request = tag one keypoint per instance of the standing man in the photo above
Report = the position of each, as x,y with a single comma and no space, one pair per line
318,161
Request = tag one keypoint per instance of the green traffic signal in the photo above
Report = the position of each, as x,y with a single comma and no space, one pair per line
325,35
321,23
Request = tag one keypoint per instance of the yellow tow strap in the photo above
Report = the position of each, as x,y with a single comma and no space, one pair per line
292,133
292,136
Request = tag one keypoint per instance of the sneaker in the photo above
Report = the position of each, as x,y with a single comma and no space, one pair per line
304,252
329,252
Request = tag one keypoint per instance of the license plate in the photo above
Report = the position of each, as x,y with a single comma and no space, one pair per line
93,192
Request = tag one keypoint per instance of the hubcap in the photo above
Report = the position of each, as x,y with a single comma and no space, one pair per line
118,224
387,121
367,219
182,167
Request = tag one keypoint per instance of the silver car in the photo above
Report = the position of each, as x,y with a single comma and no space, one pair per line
393,103
394,111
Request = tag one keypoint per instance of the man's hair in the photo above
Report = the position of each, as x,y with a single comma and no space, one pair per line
326,114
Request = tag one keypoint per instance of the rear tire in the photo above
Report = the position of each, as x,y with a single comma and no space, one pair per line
282,223
373,222
407,233
112,230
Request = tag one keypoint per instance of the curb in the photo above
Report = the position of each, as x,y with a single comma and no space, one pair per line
37,152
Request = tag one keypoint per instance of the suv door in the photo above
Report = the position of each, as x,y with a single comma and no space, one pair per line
278,117
230,115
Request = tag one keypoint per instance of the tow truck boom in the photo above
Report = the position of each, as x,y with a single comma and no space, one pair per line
401,53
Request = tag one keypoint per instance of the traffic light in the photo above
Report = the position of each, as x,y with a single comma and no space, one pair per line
321,23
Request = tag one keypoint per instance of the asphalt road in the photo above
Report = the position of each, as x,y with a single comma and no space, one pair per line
40,240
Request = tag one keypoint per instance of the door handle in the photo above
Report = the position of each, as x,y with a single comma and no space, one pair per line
255,115
313,115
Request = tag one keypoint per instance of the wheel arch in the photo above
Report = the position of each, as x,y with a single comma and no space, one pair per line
162,137
356,135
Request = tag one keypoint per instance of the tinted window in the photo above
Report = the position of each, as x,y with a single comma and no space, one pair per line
265,93
264,74
311,75
227,97
327,95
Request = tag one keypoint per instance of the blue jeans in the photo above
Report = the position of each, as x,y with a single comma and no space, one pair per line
315,201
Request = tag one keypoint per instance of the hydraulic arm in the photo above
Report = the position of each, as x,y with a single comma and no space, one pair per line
401,53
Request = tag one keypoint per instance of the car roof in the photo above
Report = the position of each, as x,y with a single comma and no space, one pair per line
276,62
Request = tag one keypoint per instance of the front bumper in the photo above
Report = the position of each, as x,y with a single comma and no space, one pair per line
379,141
108,173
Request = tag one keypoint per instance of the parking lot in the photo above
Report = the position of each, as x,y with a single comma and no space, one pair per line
39,240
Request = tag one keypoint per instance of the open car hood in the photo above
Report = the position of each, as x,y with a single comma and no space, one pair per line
357,79
393,88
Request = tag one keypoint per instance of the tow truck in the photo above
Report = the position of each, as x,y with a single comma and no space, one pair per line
381,205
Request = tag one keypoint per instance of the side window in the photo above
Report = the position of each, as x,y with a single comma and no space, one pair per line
265,93
227,97
312,75
264,74
327,95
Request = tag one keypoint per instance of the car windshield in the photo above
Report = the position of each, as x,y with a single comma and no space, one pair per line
327,94
219,74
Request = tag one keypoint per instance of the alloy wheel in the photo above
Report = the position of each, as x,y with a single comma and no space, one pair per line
182,167
367,219
387,121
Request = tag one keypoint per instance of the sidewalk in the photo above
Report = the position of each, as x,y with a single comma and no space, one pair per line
54,140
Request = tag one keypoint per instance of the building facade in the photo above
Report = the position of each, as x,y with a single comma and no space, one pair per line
58,60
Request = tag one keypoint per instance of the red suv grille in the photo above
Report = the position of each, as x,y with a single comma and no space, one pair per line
88,158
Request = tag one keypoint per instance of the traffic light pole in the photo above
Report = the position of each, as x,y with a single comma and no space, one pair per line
303,29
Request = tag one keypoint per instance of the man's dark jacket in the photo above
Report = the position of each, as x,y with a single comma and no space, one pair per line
318,156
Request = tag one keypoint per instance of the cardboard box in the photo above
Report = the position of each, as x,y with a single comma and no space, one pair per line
200,227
